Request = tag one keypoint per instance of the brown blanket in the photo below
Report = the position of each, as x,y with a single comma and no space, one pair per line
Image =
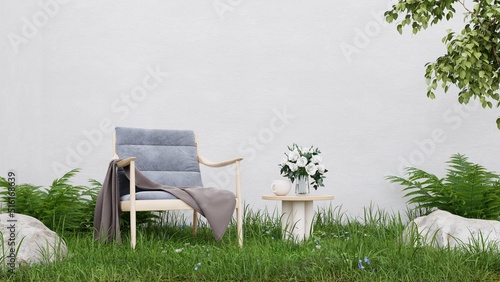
216,205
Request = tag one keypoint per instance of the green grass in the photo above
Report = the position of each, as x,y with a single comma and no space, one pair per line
338,243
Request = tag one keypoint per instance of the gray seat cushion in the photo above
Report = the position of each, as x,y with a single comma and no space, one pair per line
167,157
149,195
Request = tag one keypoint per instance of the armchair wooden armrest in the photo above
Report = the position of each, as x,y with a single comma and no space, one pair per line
125,162
206,162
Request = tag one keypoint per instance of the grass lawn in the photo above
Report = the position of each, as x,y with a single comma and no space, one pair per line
341,249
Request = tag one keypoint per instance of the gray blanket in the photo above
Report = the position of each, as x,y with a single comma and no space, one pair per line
216,205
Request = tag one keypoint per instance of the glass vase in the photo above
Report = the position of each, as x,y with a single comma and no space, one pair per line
302,186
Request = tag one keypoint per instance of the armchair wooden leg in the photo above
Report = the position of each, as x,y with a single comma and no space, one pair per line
195,222
132,229
133,217
239,226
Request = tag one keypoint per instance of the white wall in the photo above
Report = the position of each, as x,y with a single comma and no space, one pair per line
250,77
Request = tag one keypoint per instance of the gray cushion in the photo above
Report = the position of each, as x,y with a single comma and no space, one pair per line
168,157
150,195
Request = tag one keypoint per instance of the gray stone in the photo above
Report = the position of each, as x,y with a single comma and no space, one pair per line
31,239
444,229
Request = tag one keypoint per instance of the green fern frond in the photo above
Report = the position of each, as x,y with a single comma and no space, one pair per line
65,178
60,206
468,189
95,184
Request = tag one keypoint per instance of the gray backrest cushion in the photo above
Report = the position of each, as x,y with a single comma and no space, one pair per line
168,157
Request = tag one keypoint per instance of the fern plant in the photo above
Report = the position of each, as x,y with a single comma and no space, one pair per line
468,189
60,206
64,206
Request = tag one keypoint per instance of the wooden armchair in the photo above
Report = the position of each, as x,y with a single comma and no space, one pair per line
167,157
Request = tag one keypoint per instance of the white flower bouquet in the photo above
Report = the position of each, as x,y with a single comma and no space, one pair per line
301,162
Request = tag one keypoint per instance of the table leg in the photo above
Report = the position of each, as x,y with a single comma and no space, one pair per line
308,218
299,222
297,219
287,219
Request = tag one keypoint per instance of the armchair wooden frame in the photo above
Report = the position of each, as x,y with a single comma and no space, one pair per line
132,205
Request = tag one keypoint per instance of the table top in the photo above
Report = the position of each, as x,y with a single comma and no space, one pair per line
302,198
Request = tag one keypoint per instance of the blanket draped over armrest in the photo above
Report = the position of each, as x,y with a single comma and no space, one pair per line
216,205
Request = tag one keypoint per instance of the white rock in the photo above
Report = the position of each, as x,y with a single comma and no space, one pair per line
444,229
34,242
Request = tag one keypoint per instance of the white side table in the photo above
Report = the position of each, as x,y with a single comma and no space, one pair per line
297,214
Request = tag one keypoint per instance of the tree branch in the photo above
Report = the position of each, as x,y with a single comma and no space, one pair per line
496,56
465,7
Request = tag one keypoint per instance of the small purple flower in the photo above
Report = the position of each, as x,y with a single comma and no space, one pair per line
360,264
367,260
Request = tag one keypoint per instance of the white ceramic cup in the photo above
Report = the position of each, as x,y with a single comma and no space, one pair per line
281,187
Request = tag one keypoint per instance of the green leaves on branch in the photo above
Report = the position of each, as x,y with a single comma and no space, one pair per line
468,189
470,63
472,58
420,14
